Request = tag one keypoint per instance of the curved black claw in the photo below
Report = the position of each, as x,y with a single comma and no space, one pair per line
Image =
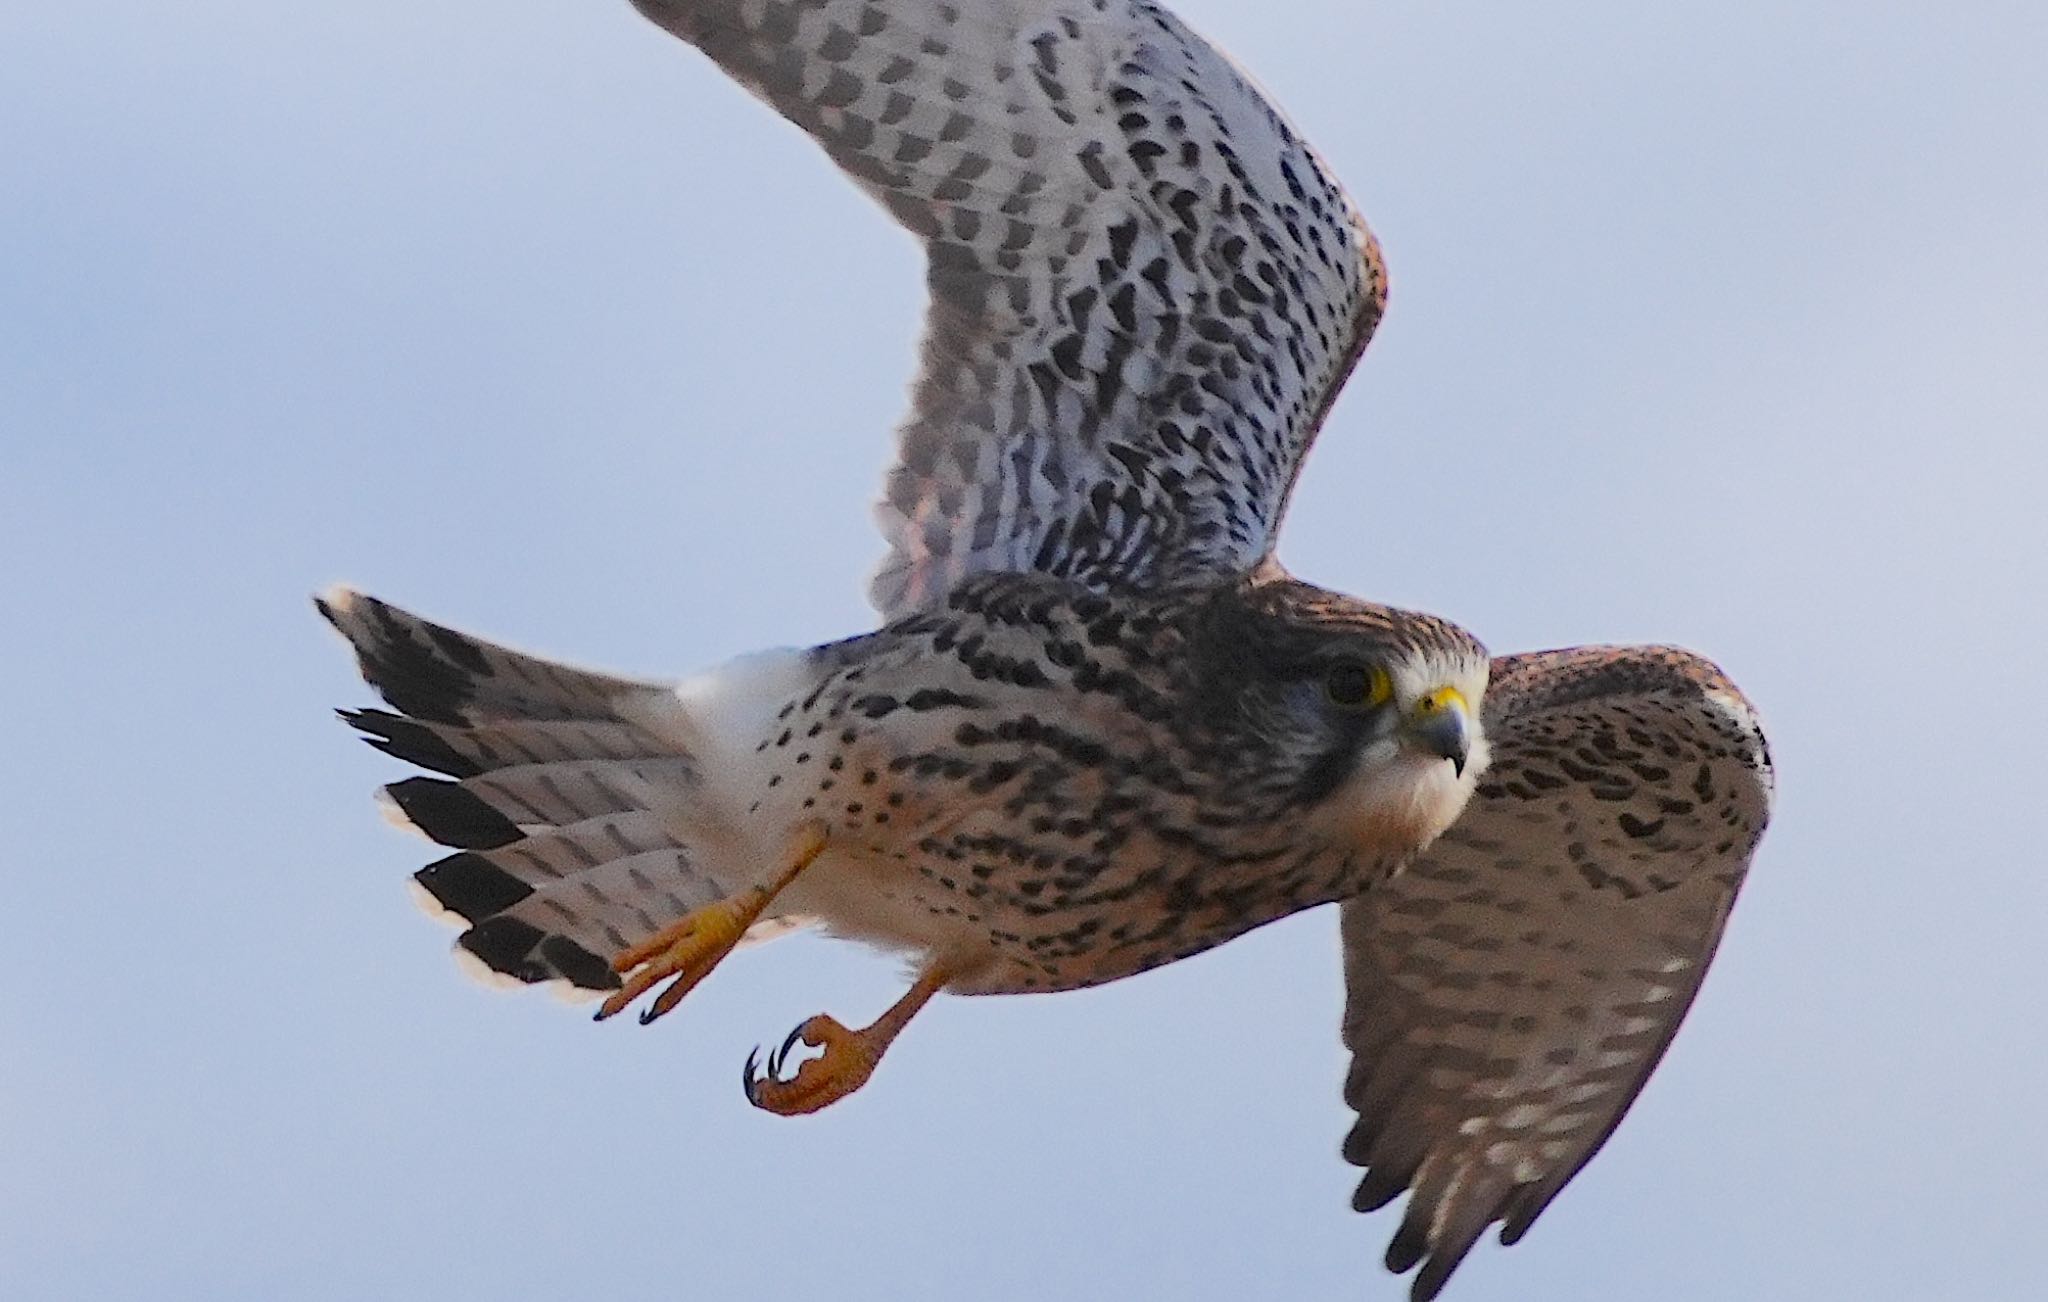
748,1080
751,1076
781,1055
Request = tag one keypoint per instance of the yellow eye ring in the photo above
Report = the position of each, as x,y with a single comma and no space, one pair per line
1355,685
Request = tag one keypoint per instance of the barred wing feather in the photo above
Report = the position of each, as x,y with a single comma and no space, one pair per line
1145,289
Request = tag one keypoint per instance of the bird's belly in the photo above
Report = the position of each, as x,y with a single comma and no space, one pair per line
1014,917
1024,838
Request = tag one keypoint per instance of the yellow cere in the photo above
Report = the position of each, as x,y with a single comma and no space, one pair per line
1441,699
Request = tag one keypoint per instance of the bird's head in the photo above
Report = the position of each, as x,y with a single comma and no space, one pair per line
1366,719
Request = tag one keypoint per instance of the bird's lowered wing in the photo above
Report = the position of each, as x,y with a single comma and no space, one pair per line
1145,289
1511,990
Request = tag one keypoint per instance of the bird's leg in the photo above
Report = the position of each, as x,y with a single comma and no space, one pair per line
849,1057
690,948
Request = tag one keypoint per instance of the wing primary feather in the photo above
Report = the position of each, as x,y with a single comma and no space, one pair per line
471,886
1410,1242
448,813
1134,169
1500,1034
411,741
1381,1185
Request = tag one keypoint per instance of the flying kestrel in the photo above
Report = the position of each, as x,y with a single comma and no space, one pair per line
1100,728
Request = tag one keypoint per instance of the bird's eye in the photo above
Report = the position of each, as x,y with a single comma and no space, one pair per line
1355,685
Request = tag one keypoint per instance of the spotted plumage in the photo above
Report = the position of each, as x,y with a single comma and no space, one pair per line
1145,288
1085,787
1062,787
1100,728
1511,990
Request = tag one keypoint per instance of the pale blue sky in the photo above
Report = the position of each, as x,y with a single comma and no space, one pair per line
1722,325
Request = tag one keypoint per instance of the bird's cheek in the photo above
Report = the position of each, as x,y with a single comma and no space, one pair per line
1441,798
1476,763
1394,807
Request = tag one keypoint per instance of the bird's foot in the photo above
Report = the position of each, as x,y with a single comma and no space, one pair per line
849,1059
689,949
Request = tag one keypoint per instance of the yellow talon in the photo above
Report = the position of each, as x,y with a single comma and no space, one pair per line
690,948
848,1061
687,951
849,1057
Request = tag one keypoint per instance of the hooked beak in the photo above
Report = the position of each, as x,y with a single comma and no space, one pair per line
1441,725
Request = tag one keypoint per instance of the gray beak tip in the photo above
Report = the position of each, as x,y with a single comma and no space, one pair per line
1446,734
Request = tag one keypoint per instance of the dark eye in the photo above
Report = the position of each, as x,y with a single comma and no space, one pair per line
1356,685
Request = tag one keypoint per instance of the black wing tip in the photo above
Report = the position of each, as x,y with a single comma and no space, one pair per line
1414,1242
471,886
451,815
505,945
1436,1272
1530,1203
421,668
515,948
410,740
1412,1247
578,966
1376,1190
1409,1245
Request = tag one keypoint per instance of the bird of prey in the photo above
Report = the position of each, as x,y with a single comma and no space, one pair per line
1100,728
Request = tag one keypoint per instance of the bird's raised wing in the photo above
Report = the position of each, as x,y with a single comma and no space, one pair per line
1511,990
1145,289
